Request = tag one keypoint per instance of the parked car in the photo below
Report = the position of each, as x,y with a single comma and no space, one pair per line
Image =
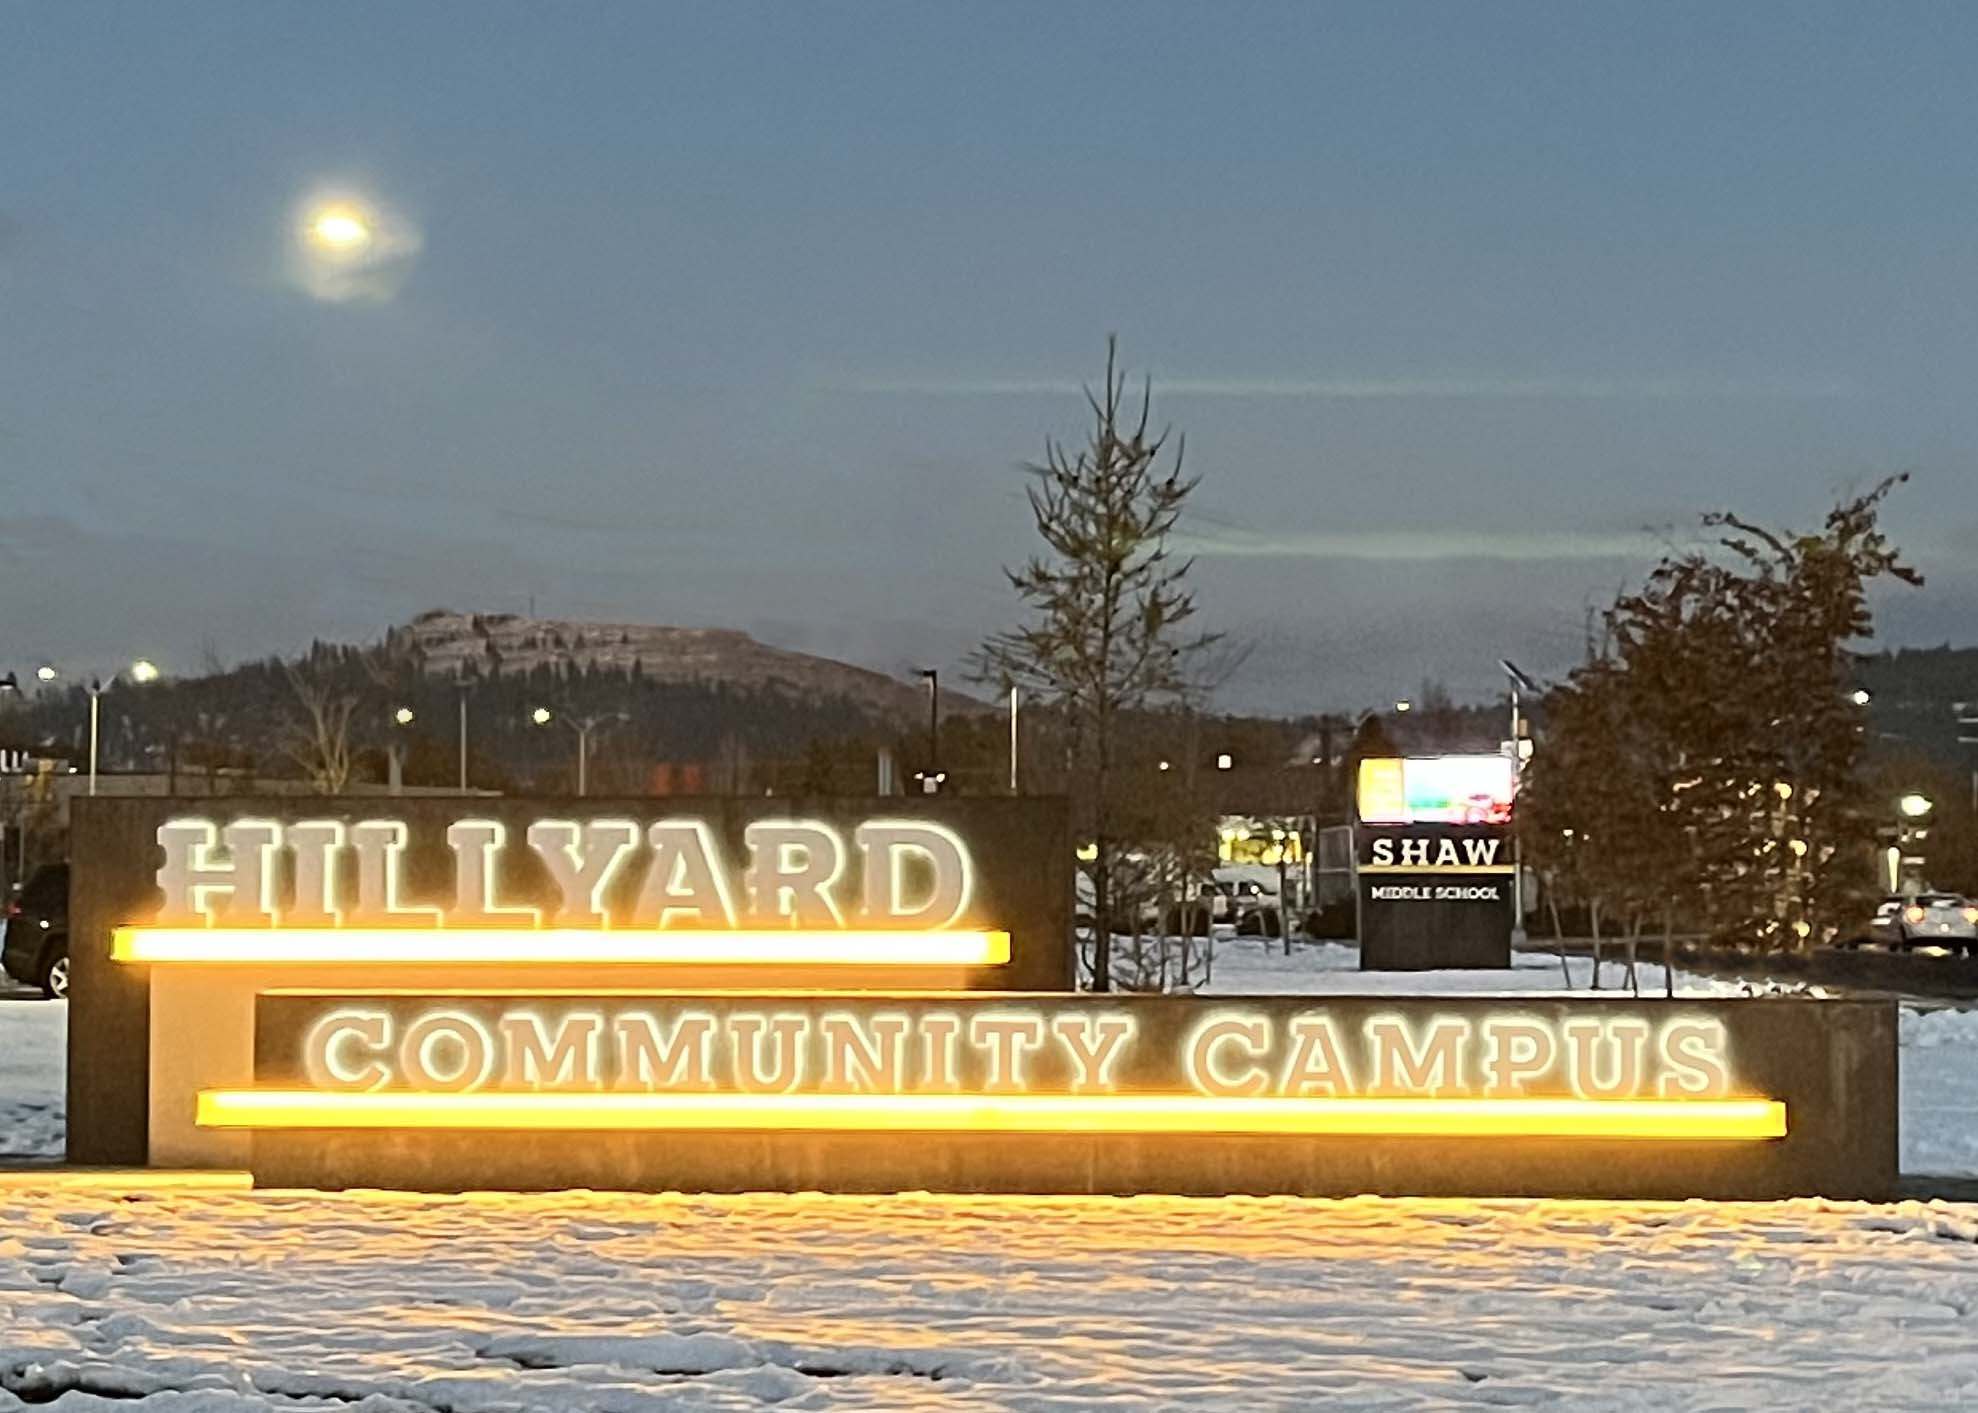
1926,920
34,936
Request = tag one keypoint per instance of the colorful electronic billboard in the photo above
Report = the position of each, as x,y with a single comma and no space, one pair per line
1437,790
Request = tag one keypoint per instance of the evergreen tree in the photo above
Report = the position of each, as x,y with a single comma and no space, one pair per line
1108,605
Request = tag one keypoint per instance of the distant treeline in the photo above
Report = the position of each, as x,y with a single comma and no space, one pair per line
260,718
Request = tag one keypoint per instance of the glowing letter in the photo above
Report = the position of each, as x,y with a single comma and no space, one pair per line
938,1034
792,869
645,1062
380,846
1629,1039
1009,1038
1401,1067
1414,853
684,879
1316,1065
1383,853
419,1057
192,878
1481,852
535,1061
1095,1044
885,845
582,859
1516,1048
475,842
1252,1034
316,845
786,1035
323,1050
1694,1054
862,1054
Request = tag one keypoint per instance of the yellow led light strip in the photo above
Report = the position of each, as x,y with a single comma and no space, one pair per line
382,946
1674,1119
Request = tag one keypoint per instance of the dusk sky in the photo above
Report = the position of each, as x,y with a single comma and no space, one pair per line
748,315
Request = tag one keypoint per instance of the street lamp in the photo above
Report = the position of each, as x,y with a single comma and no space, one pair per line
464,684
95,690
930,782
1861,696
583,726
1404,705
1225,761
45,673
143,670
1518,680
1915,806
395,752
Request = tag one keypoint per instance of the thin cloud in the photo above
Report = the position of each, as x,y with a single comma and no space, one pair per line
1370,389
1412,546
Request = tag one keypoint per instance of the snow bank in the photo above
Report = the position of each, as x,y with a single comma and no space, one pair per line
485,1304
1243,965
34,1038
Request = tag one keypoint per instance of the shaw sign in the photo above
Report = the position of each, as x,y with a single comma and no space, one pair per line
1434,896
441,999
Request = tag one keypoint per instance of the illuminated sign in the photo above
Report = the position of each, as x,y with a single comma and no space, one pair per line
1442,854
918,1063
320,891
1437,790
732,994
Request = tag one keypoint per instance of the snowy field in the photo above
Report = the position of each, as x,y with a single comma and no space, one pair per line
1241,965
34,1037
376,1302
392,1303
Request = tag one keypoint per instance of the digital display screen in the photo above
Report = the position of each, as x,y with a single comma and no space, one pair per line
1436,790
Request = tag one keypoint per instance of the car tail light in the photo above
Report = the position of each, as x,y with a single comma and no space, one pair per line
1913,913
13,907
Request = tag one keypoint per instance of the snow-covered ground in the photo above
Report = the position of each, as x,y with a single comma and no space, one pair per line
1256,965
1940,1092
34,1038
377,1302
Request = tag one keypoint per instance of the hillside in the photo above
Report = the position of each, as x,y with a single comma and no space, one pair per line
447,643
702,708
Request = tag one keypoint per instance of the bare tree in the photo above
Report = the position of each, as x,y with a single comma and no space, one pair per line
1107,603
319,739
327,686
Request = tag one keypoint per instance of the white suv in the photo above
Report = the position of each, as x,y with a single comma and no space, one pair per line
1927,920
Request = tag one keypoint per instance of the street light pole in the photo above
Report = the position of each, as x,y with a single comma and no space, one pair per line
1518,679
583,726
933,677
95,714
395,752
1013,707
463,736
